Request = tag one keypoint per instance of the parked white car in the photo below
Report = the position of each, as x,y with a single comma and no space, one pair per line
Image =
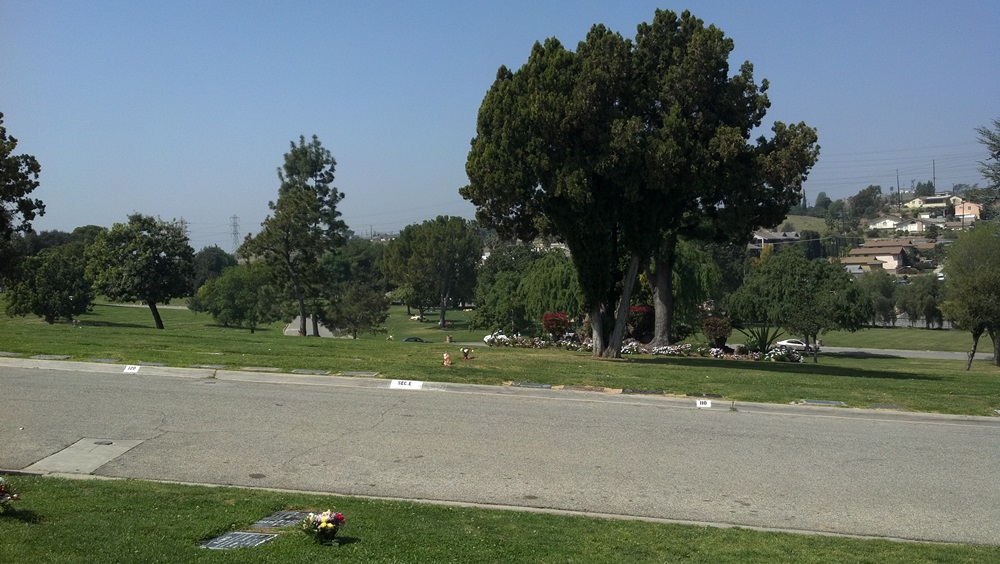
797,345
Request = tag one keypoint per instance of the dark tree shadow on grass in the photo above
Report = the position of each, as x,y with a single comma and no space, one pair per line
23,515
244,329
807,367
95,323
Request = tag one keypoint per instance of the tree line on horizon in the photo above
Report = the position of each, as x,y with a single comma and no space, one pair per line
636,154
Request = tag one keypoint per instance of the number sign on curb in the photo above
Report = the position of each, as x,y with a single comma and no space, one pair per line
405,385
703,403
131,369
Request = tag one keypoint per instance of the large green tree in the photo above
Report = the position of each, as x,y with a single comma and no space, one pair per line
989,197
437,257
145,259
240,297
499,303
880,287
357,288
805,297
620,147
52,285
972,282
550,286
209,263
304,224
18,179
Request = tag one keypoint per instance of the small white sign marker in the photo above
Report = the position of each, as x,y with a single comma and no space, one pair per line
703,403
405,385
131,369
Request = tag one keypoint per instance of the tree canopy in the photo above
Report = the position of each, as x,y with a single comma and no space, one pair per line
52,285
972,282
239,297
618,147
18,179
436,258
804,297
145,259
304,225
209,263
990,168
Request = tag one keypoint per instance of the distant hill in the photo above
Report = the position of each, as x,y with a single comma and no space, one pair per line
805,223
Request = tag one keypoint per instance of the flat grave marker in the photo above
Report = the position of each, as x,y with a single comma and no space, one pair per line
238,539
281,519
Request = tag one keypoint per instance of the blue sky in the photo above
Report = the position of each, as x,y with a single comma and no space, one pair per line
184,109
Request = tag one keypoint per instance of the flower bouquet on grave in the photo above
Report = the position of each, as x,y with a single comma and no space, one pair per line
466,351
323,526
7,495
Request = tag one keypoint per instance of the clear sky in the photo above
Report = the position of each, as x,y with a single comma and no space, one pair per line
185,109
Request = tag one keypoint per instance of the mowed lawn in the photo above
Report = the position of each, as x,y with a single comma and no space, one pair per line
127,335
113,521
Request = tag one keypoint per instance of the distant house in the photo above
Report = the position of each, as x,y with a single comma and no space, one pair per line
858,265
967,211
937,201
887,222
775,239
891,258
914,226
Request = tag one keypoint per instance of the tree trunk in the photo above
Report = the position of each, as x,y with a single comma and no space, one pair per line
302,311
614,347
315,324
156,314
597,330
995,337
444,308
662,280
975,345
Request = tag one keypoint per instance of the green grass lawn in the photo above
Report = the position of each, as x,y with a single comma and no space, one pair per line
98,521
127,335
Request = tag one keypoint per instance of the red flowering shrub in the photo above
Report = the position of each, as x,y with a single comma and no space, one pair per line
639,323
557,324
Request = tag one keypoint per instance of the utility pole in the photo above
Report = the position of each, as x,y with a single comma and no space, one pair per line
934,175
899,197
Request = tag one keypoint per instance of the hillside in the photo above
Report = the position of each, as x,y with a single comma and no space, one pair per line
805,223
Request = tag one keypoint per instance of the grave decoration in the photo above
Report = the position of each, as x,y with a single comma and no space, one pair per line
323,526
447,359
7,495
466,353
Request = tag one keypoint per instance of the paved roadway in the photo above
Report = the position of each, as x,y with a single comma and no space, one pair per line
831,470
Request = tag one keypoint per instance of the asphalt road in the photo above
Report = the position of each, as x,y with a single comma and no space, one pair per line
832,470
